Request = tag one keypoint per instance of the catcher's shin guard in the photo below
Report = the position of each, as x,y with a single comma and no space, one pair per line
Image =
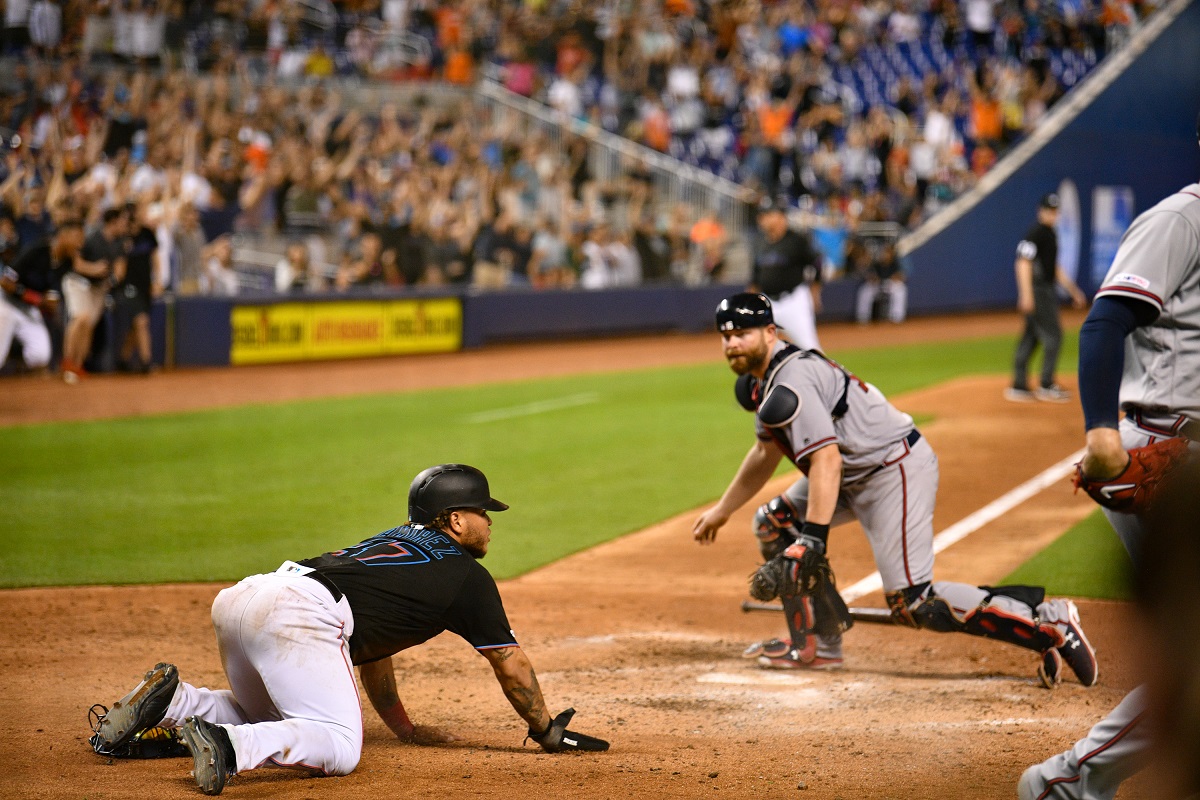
831,616
1005,613
801,625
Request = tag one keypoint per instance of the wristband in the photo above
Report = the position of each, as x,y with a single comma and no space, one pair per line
814,531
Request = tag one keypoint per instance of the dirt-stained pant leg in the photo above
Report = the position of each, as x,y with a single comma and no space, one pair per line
285,648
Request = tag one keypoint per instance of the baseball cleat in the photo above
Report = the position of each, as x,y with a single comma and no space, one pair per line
142,708
1076,650
213,759
1050,670
1018,395
791,660
772,648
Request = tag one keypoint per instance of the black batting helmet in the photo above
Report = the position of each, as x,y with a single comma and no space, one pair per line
446,487
744,310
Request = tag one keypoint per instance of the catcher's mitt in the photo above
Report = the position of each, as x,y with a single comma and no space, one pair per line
800,570
150,743
557,738
1134,490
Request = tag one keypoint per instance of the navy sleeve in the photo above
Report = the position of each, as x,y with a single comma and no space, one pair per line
477,613
1102,356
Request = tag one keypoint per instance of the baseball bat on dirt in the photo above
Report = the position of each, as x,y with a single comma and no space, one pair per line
859,613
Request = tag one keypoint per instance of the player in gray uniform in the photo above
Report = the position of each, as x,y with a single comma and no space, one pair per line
1138,350
862,459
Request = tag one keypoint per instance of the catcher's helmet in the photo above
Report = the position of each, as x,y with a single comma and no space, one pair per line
744,310
449,486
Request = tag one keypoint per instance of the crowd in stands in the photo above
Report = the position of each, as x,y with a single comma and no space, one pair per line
859,112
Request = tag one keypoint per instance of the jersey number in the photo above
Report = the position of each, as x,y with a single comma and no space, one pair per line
374,552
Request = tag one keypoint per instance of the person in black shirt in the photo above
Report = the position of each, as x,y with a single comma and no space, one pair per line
30,289
787,269
134,292
288,638
1037,275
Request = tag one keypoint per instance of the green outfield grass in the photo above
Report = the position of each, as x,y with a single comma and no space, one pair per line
221,494
1086,561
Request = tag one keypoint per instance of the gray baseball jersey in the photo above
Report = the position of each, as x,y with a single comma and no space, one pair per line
1158,262
866,428
890,475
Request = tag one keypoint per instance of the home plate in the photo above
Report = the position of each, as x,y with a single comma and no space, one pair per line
759,678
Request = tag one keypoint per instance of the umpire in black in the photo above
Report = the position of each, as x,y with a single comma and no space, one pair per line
1038,275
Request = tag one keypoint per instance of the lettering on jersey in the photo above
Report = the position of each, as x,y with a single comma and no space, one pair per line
408,545
1135,280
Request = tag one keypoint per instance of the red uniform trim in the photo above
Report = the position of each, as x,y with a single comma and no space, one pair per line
1135,292
901,457
1050,784
1121,734
814,446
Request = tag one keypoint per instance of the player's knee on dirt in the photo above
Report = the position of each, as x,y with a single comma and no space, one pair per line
775,526
1005,613
344,748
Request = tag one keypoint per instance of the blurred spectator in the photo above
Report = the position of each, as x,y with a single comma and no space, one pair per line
295,272
368,266
189,246
218,277
883,277
710,240
45,27
16,26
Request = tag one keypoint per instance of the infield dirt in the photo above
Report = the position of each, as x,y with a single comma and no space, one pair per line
642,635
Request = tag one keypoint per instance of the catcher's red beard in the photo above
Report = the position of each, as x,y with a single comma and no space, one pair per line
741,363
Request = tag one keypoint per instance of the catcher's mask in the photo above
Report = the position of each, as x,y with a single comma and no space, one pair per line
744,310
449,486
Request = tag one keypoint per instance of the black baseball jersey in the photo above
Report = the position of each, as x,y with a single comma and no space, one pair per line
781,266
409,584
37,270
139,268
1040,246
98,248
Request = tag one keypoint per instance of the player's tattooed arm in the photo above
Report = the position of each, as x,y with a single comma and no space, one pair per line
379,682
520,684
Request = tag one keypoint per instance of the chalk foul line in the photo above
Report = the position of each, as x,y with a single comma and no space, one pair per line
530,409
976,520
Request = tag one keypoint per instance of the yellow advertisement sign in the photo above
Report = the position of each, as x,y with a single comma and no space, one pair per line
348,329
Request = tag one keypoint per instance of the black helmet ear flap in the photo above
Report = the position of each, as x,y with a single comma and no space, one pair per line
780,406
748,391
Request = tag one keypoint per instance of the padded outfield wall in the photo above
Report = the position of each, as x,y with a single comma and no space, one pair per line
1138,136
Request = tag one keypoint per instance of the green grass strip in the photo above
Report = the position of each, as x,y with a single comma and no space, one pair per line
1086,561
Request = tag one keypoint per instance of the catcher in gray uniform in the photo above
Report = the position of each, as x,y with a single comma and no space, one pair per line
1134,350
862,459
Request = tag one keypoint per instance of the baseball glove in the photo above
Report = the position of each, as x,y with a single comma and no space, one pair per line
150,743
800,570
1134,490
557,738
